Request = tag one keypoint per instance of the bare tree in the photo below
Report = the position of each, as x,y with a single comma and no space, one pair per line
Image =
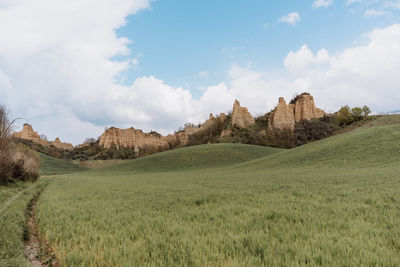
6,127
5,134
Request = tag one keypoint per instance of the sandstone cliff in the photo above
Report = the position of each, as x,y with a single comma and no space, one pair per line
241,117
131,137
60,145
182,137
282,117
304,108
285,116
28,133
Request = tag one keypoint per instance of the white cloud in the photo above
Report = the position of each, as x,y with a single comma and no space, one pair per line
359,75
349,2
322,3
291,18
58,73
374,13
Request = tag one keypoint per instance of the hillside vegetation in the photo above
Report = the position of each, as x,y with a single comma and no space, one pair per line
333,202
51,166
194,157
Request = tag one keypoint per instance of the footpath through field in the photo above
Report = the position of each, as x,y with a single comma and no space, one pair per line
15,197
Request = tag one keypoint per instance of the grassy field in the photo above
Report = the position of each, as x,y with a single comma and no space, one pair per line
335,202
52,166
13,202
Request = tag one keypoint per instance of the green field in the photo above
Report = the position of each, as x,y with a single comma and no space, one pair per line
52,166
334,202
14,199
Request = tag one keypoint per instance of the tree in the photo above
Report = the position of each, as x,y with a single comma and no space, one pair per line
366,110
5,156
357,113
344,116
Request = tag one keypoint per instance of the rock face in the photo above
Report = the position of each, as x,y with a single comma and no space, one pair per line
282,117
241,117
131,137
285,116
28,133
304,108
60,145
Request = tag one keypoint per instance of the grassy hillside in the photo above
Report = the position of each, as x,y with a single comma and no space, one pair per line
362,148
50,166
194,157
333,203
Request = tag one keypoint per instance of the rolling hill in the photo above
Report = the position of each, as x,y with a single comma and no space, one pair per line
52,166
332,202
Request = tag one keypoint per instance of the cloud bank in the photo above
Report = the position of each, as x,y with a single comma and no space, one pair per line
58,70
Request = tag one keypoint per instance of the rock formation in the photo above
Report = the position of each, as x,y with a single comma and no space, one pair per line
285,116
131,137
60,145
304,108
241,117
282,117
28,133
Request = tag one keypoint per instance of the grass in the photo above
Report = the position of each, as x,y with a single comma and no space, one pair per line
193,158
52,166
97,164
12,221
335,202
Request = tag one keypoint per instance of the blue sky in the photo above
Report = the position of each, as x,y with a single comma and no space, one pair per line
71,68
176,40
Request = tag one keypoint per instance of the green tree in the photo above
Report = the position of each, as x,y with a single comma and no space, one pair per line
344,116
357,113
366,110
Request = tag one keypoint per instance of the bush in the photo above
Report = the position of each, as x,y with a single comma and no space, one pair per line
17,162
281,138
346,115
308,131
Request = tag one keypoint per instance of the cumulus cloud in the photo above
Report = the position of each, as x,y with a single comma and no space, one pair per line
322,3
358,75
57,70
291,18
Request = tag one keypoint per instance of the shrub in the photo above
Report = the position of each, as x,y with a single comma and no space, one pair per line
17,162
308,131
296,97
281,138
344,116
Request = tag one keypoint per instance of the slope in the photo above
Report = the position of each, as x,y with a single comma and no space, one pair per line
51,165
332,203
194,157
361,148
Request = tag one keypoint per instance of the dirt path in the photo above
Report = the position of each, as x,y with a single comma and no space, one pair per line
37,249
15,197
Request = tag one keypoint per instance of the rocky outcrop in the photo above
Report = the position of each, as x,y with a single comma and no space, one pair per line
60,145
131,137
241,117
301,108
282,117
304,108
28,133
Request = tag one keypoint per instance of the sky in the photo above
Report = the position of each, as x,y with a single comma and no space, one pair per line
70,68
